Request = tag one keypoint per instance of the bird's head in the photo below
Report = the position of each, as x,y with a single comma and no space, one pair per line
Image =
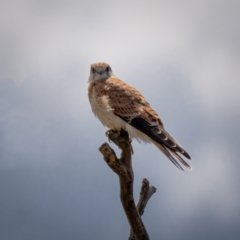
100,70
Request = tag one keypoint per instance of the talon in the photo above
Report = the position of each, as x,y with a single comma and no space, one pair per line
107,132
112,130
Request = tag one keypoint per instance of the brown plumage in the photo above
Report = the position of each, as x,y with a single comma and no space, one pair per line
119,105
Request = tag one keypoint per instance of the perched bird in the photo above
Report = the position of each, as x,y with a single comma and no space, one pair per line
120,106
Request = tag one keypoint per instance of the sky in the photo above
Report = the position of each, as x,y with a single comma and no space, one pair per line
184,56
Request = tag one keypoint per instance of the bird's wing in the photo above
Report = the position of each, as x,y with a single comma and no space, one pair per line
131,106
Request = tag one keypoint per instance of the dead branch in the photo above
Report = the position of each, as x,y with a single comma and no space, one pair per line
123,168
147,191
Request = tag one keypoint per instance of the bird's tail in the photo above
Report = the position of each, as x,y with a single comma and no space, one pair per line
172,155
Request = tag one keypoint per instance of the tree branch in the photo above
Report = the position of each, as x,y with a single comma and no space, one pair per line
147,191
123,168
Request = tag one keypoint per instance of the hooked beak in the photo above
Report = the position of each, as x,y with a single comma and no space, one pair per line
100,71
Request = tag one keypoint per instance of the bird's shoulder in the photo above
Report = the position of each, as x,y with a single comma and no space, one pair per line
116,88
125,99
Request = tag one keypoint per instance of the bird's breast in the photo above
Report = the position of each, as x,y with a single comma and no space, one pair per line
103,110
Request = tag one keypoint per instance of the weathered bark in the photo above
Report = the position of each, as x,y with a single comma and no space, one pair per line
147,191
123,168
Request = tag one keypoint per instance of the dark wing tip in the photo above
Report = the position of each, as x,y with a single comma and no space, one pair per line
186,155
180,158
163,141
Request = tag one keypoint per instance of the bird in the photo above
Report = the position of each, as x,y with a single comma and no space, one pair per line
120,106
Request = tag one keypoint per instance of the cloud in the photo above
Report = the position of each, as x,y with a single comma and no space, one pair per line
183,56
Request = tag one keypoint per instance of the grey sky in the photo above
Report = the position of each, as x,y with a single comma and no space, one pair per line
182,55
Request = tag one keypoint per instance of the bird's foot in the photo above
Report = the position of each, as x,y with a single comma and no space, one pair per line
110,131
118,132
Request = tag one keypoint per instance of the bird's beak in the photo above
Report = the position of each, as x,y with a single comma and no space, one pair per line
100,71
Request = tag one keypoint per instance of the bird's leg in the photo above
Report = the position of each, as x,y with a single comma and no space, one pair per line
112,130
107,132
118,132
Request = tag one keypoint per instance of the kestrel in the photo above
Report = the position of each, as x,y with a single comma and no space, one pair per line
121,106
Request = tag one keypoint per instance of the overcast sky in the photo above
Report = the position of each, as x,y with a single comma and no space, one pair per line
184,56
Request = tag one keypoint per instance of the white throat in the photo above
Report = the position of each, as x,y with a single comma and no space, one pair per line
97,76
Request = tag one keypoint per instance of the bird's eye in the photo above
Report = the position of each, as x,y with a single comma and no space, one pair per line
93,70
107,69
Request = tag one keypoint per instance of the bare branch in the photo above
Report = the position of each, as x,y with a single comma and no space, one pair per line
147,191
123,168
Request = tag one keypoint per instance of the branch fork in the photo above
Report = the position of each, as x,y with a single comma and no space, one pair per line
123,168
